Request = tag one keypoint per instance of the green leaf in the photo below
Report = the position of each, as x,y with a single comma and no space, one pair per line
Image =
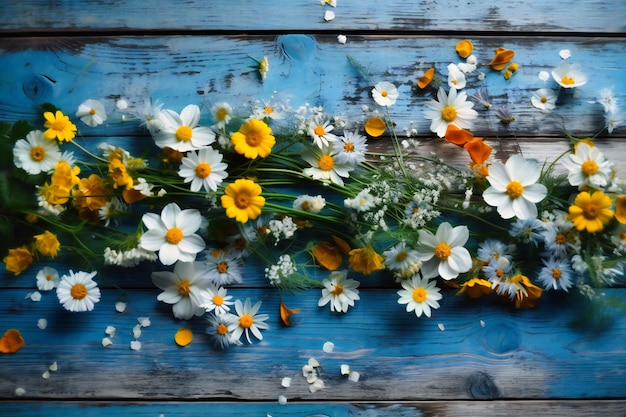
4,128
4,190
48,107
19,130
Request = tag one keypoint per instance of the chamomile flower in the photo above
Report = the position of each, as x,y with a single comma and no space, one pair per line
491,249
224,267
248,321
443,253
587,167
218,301
47,279
36,154
203,169
569,75
310,204
559,237
181,131
527,230
450,109
514,189
385,94
222,114
608,100
349,149
186,288
419,295
91,112
497,270
556,274
400,257
221,328
339,291
78,291
320,131
324,166
544,99
456,78
173,234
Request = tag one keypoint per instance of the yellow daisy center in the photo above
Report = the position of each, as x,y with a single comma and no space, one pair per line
443,251
222,267
268,110
203,170
514,189
221,329
306,206
543,99
252,139
184,288
221,114
37,153
319,130
567,80
174,235
48,277
401,256
499,273
59,125
560,238
337,289
218,300
183,134
556,273
448,113
92,112
349,147
419,295
242,201
591,211
384,93
246,321
326,163
78,291
589,167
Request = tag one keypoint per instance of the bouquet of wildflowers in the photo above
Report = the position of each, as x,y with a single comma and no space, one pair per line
300,190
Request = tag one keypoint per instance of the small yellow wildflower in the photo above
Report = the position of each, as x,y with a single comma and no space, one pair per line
59,127
18,260
47,244
365,260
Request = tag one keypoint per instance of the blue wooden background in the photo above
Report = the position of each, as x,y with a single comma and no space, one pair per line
559,359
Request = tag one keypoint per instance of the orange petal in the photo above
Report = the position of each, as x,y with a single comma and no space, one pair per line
457,135
503,57
132,195
343,246
285,313
375,127
464,48
11,341
478,150
183,337
620,209
327,255
424,80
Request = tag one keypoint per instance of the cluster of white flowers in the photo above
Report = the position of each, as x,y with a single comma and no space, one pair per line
283,228
422,208
282,269
128,258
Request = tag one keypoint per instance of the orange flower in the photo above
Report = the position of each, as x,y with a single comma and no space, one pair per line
11,341
18,260
464,48
365,260
476,288
478,150
375,126
457,135
425,79
503,57
47,244
328,255
285,313
620,209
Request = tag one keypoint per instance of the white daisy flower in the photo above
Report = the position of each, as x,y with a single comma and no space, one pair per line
587,167
364,201
181,132
324,166
308,203
400,257
78,291
268,110
222,114
497,270
443,253
556,274
340,292
514,189
544,99
450,109
385,94
349,149
36,154
47,279
219,301
224,267
186,288
221,328
608,100
91,112
320,130
569,75
149,114
456,78
173,234
419,295
248,321
203,169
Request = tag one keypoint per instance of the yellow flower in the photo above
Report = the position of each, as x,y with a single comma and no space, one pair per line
620,209
242,200
91,193
365,260
47,244
476,288
253,139
591,211
53,194
59,126
119,174
64,176
18,260
529,296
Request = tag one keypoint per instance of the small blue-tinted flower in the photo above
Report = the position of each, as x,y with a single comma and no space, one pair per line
492,249
498,269
528,230
556,274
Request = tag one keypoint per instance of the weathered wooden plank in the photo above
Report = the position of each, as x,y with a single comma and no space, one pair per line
532,354
397,15
209,69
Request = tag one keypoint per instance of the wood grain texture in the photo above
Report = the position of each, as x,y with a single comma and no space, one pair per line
307,15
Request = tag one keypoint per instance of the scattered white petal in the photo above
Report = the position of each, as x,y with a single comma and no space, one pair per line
328,347
481,76
34,296
46,375
19,391
311,378
120,306
441,327
345,369
144,321
106,342
482,323
544,75
316,386
42,323
313,362
565,53
342,39
137,331
162,192
282,400
286,382
354,376
122,104
329,15
135,345
53,367
110,330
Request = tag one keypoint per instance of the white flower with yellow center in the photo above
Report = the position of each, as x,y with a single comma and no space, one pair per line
385,94
350,148
419,295
181,132
587,167
456,78
320,131
400,257
450,109
78,291
203,169
325,167
248,321
173,234
222,114
91,112
221,328
544,99
219,301
309,203
340,292
514,189
443,253
224,267
569,75
36,154
186,288
47,279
